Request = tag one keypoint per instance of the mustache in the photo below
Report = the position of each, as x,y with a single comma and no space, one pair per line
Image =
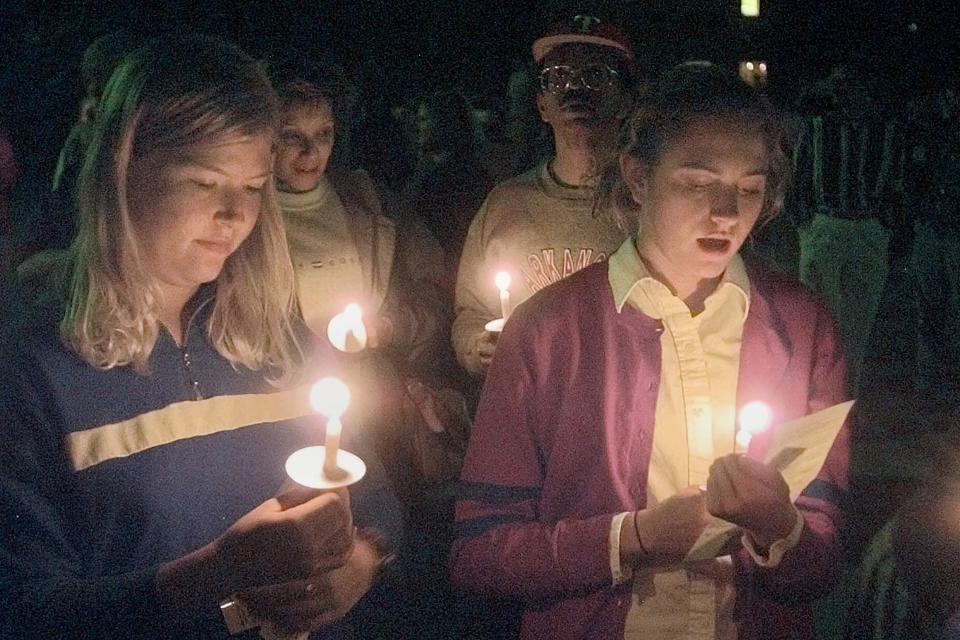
575,96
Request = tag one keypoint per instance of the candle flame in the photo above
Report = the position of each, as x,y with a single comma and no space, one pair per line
353,314
755,417
346,330
330,397
502,279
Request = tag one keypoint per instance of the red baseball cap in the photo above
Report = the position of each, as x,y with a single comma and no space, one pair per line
585,29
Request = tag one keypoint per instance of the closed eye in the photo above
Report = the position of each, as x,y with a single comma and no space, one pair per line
693,179
752,187
698,185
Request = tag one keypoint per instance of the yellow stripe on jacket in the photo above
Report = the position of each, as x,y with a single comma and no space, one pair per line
182,420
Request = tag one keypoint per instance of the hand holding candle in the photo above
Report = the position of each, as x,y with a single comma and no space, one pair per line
748,492
751,494
273,546
755,417
326,468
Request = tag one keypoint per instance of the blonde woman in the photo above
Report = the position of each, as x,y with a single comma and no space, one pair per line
150,397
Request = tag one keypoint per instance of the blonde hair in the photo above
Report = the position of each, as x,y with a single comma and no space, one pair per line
686,95
172,96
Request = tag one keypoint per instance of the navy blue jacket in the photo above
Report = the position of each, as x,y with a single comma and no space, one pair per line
106,474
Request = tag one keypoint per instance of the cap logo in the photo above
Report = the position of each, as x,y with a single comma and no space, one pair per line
586,22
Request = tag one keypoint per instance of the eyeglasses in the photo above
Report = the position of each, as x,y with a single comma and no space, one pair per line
560,77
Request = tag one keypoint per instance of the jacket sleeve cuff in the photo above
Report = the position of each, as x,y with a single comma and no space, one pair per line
621,573
775,553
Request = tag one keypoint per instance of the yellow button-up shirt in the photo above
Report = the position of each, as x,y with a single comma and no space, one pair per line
694,423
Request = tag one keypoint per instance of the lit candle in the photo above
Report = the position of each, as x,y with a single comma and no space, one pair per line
346,330
330,398
356,338
502,281
755,417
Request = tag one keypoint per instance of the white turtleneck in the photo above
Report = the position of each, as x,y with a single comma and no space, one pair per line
324,253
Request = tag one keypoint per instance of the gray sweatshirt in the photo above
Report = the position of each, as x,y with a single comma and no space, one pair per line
539,232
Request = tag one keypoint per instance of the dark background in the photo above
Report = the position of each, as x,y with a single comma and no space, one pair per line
400,47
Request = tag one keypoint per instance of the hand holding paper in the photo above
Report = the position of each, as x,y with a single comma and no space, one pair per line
798,450
751,494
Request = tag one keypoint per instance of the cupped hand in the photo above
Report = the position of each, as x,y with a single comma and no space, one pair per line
320,599
271,545
486,347
669,529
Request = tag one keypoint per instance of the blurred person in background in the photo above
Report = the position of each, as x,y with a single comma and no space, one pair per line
541,226
345,249
449,182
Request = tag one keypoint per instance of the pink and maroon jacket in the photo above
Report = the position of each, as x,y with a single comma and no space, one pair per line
562,440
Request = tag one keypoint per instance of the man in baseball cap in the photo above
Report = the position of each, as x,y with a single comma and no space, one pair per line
587,78
539,227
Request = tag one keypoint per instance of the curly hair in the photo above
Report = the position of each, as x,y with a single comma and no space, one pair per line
302,82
